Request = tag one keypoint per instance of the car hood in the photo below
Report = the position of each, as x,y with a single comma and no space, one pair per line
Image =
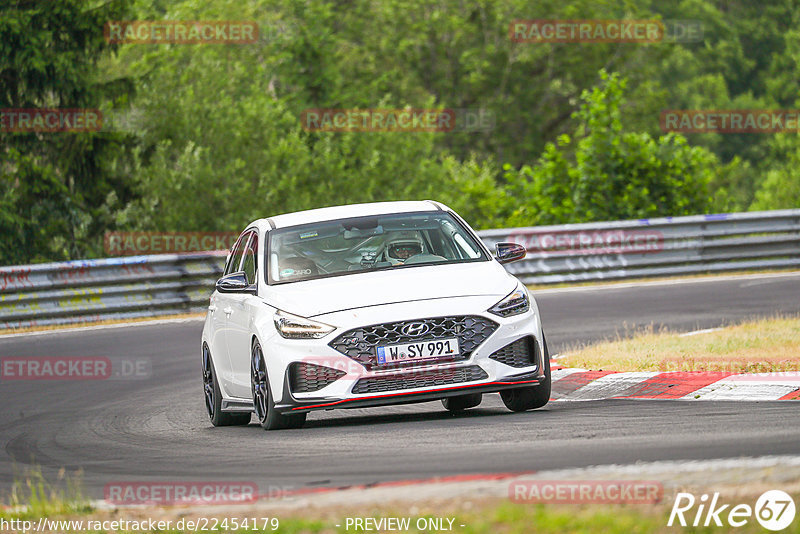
359,290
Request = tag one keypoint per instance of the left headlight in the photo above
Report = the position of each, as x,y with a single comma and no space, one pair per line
296,327
514,303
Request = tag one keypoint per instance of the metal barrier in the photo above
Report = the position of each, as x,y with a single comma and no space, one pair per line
667,246
113,288
142,286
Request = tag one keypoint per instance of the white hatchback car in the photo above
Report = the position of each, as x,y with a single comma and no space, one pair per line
368,305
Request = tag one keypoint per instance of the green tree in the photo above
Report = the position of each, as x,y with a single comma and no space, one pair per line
231,147
610,174
780,188
57,190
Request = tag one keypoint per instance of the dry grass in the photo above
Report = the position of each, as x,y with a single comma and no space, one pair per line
766,345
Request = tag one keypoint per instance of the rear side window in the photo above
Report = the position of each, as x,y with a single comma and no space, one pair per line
249,265
236,255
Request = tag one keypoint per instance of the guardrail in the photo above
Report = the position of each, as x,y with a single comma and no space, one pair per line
112,288
142,286
667,246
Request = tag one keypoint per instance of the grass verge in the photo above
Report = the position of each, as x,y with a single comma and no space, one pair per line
475,513
760,346
488,517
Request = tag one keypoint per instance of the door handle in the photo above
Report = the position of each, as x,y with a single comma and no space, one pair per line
228,310
212,308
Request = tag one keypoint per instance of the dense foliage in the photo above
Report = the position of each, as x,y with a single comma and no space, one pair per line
208,136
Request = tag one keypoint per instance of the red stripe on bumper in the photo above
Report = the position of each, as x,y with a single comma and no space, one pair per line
416,392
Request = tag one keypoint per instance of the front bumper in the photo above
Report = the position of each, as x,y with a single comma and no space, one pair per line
294,405
495,375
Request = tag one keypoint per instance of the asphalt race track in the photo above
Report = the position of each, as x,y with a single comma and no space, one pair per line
155,428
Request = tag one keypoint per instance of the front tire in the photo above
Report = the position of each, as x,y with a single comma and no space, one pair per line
462,402
213,397
267,415
530,398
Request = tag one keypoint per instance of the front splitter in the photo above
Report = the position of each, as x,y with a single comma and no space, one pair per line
406,397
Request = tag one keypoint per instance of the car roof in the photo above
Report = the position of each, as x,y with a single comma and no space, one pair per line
351,210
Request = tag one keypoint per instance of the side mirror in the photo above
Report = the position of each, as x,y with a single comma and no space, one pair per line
508,252
234,283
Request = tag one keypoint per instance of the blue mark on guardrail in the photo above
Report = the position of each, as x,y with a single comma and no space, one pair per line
128,260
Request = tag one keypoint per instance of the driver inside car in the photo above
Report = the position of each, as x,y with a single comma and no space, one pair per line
402,247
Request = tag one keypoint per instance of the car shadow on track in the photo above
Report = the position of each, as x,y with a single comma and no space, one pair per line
365,418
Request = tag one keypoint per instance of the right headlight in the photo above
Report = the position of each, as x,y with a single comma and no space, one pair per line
296,327
515,303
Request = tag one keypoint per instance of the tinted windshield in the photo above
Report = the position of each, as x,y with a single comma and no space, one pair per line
348,246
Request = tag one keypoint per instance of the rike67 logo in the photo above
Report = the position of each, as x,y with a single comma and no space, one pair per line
774,510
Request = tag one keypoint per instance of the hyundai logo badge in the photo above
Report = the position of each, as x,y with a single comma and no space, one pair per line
415,329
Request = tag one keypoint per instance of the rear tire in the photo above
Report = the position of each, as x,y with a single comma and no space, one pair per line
530,398
267,415
213,397
462,402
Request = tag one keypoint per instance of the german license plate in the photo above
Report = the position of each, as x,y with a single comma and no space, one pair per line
434,349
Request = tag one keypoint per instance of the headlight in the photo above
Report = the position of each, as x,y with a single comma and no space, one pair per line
514,303
296,327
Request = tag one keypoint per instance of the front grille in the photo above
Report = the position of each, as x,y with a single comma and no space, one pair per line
361,344
307,377
425,379
521,353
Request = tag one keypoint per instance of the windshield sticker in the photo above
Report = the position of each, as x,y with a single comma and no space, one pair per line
294,272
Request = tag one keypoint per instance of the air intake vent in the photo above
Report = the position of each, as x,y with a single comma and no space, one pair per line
439,377
521,353
307,377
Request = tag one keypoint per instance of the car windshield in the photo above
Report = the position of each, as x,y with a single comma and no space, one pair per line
348,246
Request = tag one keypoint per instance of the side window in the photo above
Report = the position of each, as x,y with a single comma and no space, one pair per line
236,256
249,265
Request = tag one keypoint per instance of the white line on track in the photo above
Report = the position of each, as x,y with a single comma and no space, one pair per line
720,391
74,329
700,280
609,386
